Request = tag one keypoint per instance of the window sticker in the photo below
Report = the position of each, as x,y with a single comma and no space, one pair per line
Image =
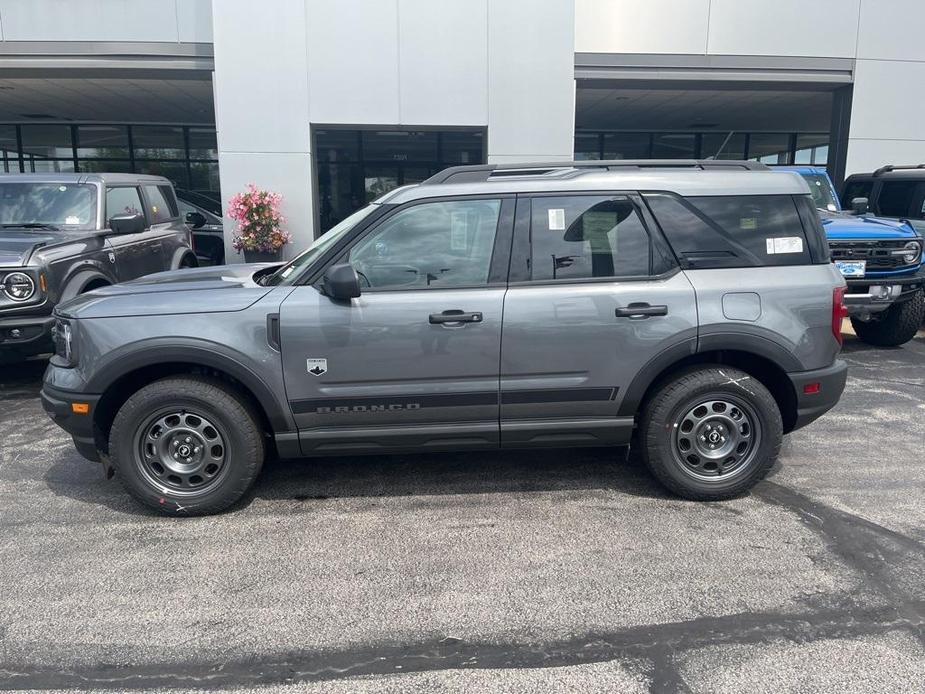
784,244
459,230
557,219
72,220
748,223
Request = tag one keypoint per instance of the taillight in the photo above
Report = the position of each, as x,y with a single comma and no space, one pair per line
839,311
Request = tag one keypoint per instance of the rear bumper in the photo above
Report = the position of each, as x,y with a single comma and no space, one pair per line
831,383
59,406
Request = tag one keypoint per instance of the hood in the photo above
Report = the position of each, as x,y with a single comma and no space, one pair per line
845,226
16,247
216,289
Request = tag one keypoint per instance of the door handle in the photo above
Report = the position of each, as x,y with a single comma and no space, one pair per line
640,310
456,316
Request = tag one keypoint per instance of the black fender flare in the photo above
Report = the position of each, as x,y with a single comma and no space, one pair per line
737,341
132,357
78,281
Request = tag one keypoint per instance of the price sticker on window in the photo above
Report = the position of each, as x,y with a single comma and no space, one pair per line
784,244
557,219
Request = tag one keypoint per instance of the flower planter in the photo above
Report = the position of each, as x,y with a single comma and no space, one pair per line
261,256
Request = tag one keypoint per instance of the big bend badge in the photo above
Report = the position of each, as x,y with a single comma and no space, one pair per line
316,367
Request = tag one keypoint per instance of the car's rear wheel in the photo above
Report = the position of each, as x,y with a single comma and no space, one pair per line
711,433
186,445
895,326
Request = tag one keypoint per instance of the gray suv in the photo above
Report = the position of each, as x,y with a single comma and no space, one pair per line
65,234
688,307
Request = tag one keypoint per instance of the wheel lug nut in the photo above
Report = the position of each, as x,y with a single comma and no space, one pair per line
188,439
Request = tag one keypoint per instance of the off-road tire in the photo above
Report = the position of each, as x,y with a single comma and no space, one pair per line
682,393
232,416
895,326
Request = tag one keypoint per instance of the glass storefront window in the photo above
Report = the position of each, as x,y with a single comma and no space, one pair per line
204,176
355,166
812,149
587,146
47,141
674,146
9,148
626,145
717,146
104,166
770,148
102,141
158,142
174,171
202,143
35,165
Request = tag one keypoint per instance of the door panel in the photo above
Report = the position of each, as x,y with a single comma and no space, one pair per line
135,253
393,379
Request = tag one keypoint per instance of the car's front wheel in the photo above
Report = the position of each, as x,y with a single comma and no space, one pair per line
710,433
186,445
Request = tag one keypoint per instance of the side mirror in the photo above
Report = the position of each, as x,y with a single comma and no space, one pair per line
127,224
195,219
341,282
859,205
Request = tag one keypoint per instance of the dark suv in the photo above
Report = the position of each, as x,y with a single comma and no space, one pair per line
65,234
689,306
890,191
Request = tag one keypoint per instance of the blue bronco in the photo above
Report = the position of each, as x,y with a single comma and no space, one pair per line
881,260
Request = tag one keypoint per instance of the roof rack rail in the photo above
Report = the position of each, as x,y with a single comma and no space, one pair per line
890,167
482,172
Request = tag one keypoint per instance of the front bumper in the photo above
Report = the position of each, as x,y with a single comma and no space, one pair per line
59,404
827,384
876,294
26,334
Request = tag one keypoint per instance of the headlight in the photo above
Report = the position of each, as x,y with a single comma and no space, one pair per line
909,252
18,286
65,344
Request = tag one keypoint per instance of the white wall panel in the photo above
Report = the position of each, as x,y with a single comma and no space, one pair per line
886,105
443,62
821,28
194,20
353,61
89,20
531,82
286,173
636,26
892,29
866,155
260,76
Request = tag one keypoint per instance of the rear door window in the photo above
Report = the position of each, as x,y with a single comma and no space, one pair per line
587,237
161,205
732,231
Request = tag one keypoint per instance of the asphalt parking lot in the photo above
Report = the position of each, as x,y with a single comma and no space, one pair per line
515,572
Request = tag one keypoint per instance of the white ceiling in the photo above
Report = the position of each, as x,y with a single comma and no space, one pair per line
108,100
678,109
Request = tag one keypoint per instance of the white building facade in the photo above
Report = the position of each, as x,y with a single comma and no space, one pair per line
331,103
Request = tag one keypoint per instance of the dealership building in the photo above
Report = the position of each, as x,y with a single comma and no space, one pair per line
332,103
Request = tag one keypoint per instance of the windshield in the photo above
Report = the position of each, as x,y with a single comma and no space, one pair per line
287,274
48,205
821,189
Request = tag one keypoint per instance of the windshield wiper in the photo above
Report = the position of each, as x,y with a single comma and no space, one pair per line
31,225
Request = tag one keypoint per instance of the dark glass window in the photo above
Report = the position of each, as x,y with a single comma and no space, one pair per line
438,244
587,236
856,189
123,200
462,148
203,143
896,198
770,148
722,146
812,149
9,148
674,146
396,145
626,146
587,146
732,231
47,141
158,142
204,176
104,166
39,165
102,141
161,205
174,171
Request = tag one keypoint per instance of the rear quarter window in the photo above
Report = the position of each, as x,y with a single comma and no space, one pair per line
732,231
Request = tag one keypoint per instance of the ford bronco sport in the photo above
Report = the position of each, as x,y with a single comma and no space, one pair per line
881,260
65,234
688,306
